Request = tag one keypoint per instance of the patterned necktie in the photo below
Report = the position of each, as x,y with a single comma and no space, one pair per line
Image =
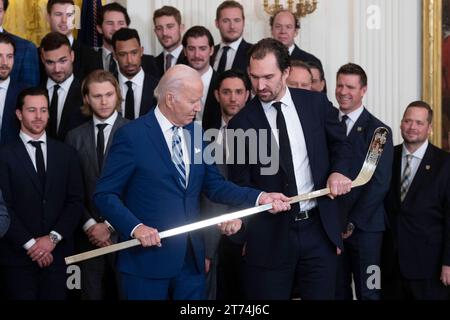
406,178
168,61
177,157
223,60
40,164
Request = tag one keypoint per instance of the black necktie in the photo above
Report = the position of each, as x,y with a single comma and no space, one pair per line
344,122
54,112
40,165
112,65
223,60
129,101
169,58
286,156
100,145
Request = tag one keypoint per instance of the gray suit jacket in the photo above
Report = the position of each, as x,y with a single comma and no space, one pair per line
83,139
4,217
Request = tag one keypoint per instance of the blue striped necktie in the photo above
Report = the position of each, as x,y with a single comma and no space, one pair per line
177,156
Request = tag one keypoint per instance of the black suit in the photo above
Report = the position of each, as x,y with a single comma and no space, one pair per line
240,61
160,62
212,116
71,116
148,100
364,208
95,61
272,251
36,211
10,124
83,139
299,54
417,242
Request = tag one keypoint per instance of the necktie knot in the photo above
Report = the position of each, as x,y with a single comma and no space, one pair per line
56,87
101,126
344,118
277,105
129,85
36,144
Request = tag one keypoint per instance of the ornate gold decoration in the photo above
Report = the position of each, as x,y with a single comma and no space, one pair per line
432,64
302,8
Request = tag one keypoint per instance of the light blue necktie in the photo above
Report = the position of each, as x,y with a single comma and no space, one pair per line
177,156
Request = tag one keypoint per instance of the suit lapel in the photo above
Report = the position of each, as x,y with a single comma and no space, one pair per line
156,135
69,105
52,164
195,150
396,171
117,124
91,148
23,156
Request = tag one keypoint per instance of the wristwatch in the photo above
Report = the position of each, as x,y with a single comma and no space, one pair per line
350,227
53,238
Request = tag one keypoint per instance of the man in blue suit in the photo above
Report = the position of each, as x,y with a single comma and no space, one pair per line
300,246
26,67
152,180
362,209
9,126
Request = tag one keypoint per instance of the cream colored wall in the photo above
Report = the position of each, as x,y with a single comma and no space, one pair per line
338,32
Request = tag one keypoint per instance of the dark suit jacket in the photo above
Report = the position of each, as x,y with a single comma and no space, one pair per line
71,116
267,235
26,62
148,100
420,225
241,59
212,116
36,211
160,62
95,61
4,217
299,54
364,206
10,124
140,184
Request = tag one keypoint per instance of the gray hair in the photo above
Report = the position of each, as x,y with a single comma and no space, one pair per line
174,80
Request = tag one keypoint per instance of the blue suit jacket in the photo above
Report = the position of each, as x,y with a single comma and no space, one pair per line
4,217
364,206
26,62
10,124
267,235
140,184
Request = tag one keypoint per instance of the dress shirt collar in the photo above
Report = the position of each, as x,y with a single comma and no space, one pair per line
1,29
291,49
233,45
110,121
106,53
354,115
206,77
5,83
138,79
419,153
65,85
175,53
71,39
26,138
285,100
164,123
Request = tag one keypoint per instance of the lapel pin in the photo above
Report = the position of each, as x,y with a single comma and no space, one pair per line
360,129
428,167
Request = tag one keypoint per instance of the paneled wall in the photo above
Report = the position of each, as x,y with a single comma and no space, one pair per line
383,36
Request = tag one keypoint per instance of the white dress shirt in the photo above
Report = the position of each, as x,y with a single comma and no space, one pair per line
352,118
4,85
416,159
138,87
32,154
230,55
300,160
291,49
62,94
175,55
71,39
206,79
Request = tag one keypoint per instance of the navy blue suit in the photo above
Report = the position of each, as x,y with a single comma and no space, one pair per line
10,123
35,211
364,208
299,54
4,217
240,60
272,250
140,184
159,61
417,241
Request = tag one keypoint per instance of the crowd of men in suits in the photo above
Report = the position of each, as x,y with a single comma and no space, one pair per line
94,151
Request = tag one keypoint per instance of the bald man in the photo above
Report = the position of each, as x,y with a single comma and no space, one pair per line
140,197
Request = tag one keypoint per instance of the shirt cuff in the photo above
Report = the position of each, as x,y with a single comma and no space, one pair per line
134,229
110,227
89,224
29,244
57,234
257,199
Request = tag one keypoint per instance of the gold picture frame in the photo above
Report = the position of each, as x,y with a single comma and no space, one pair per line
432,64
